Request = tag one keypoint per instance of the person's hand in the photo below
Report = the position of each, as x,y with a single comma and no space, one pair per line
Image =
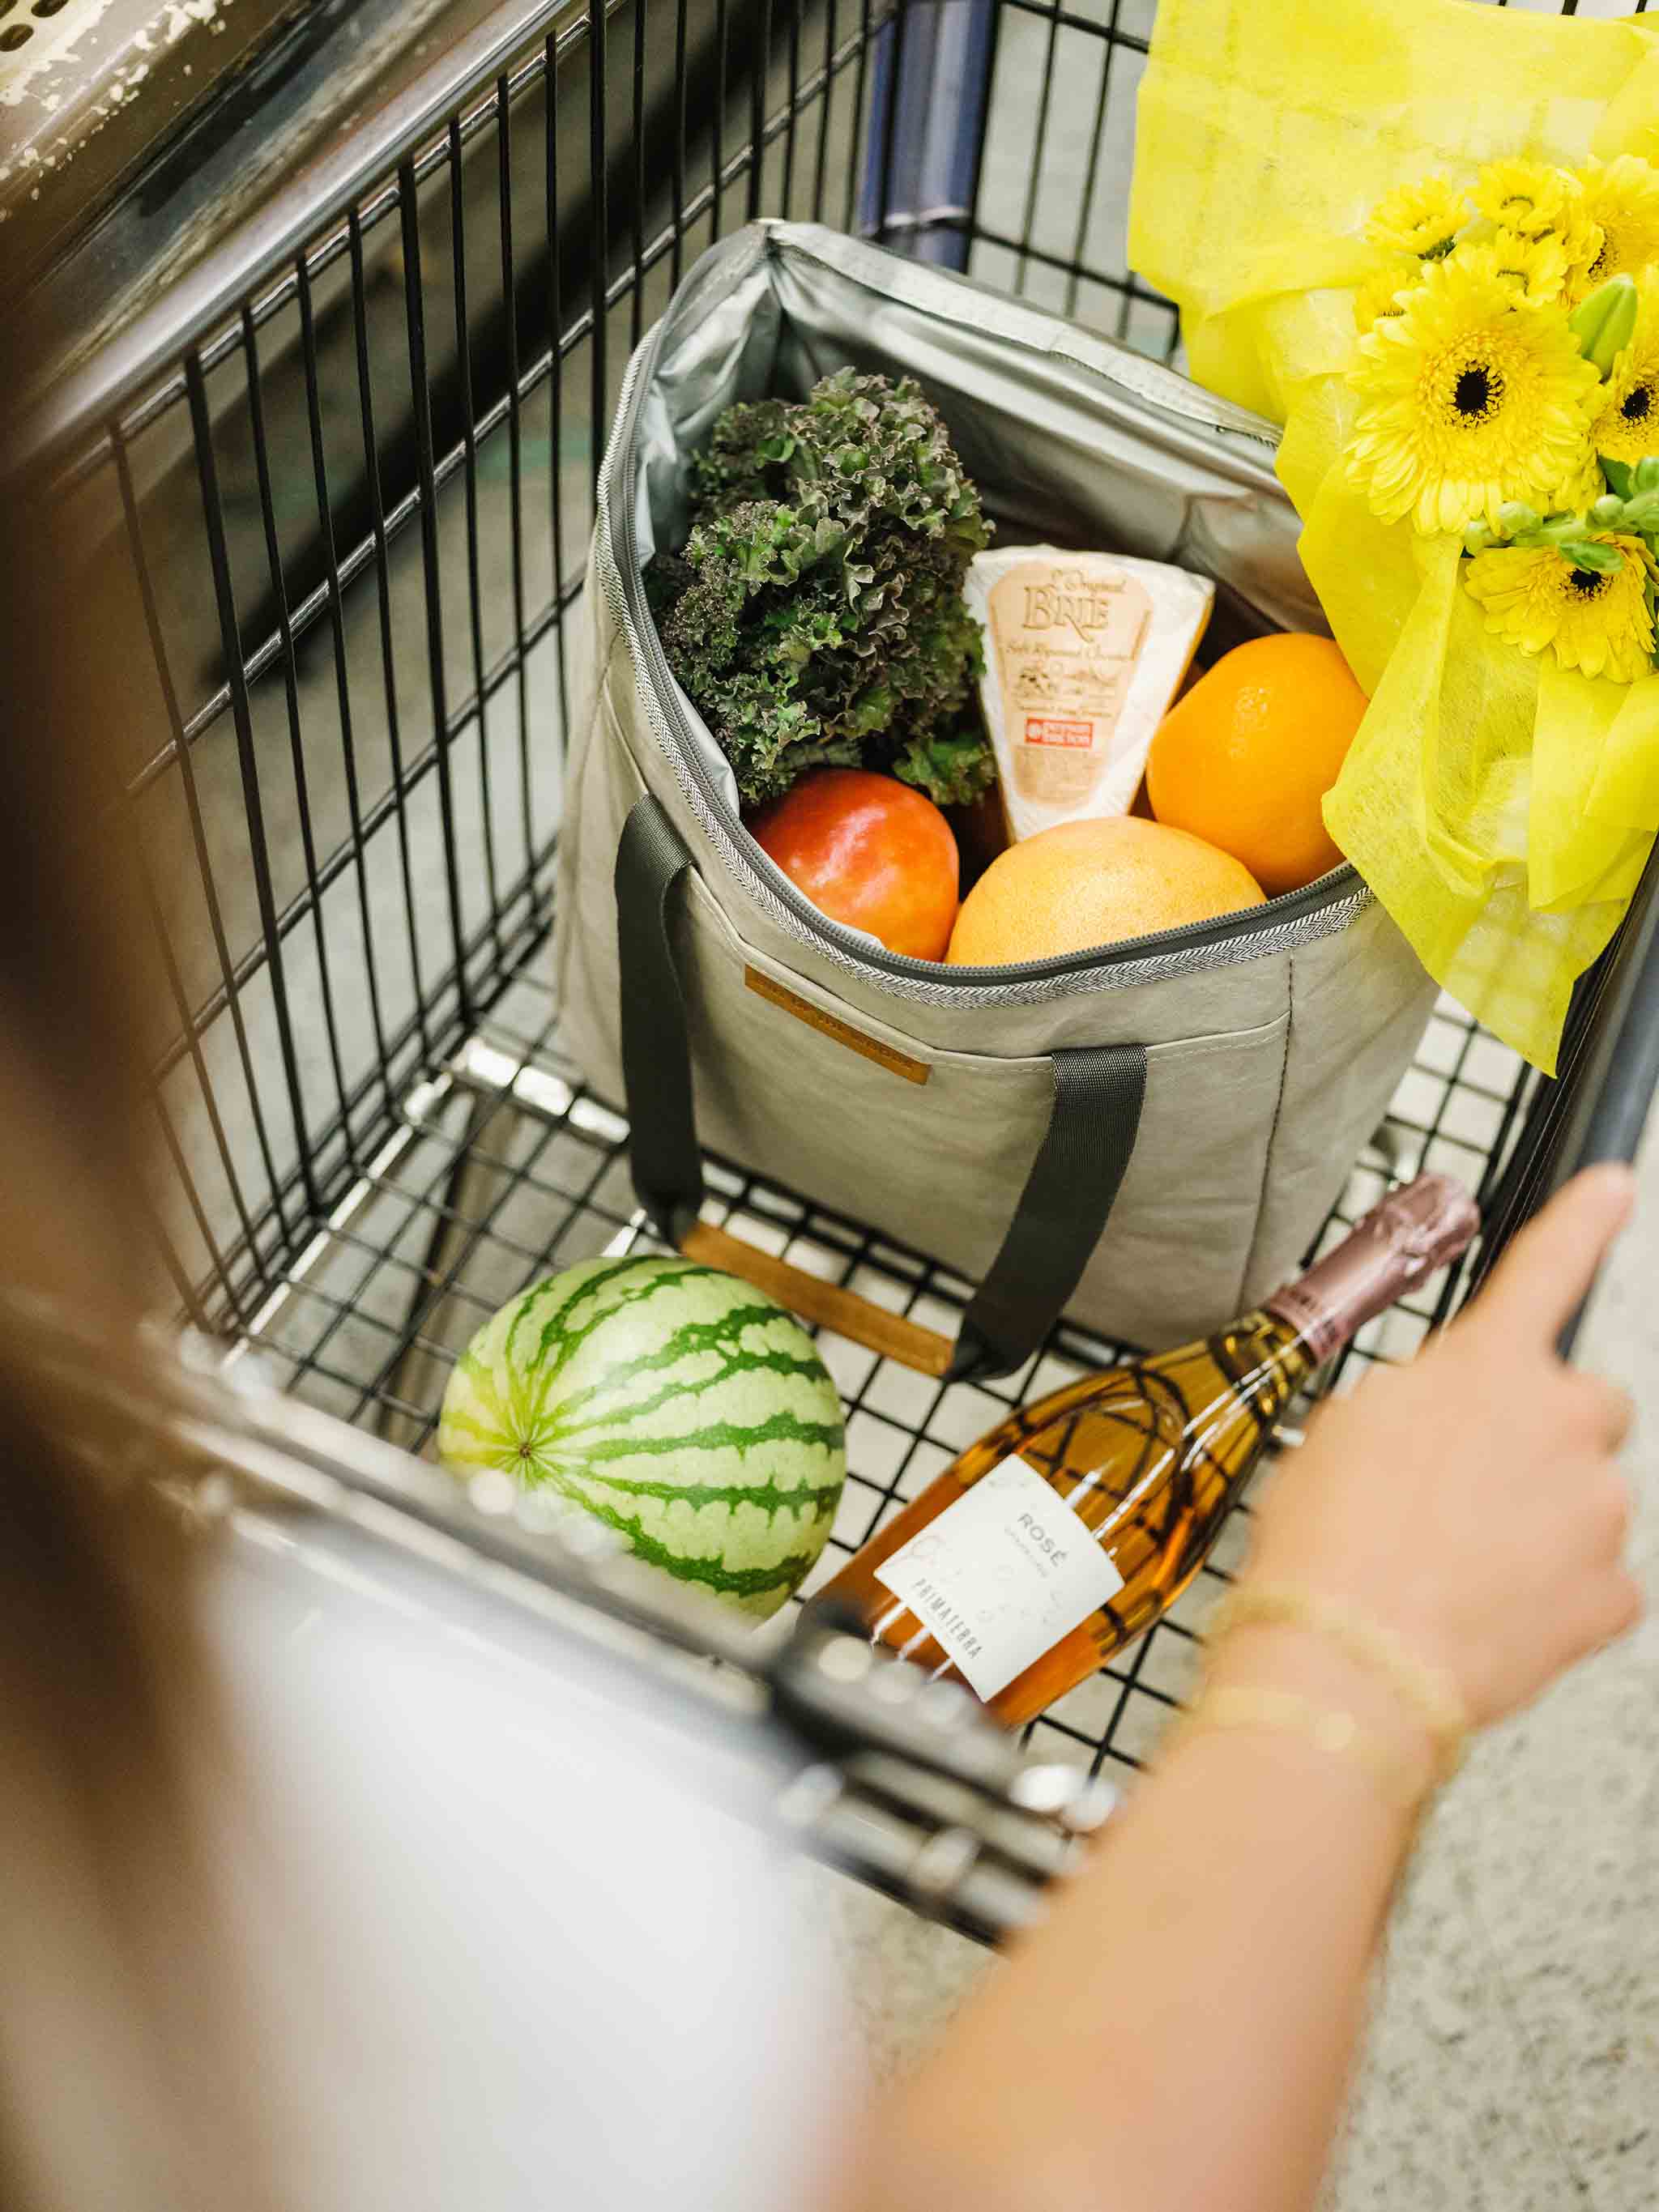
1471,1501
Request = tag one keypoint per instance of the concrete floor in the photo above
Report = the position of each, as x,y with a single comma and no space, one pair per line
1513,2062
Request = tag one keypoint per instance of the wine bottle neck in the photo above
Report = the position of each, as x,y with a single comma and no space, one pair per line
1397,1245
1330,1305
1267,1360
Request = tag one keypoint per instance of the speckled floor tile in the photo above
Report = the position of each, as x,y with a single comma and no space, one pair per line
1537,1890
1553,1835
1444,2116
902,1978
1551,1843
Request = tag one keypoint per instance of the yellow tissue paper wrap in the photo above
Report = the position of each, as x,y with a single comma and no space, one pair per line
1501,807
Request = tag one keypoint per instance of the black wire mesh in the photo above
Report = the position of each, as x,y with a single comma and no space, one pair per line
501,1167
339,544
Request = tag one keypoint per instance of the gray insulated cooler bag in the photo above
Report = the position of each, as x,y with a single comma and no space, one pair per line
1145,1138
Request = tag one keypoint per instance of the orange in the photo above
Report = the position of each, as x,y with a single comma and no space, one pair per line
1094,883
1245,758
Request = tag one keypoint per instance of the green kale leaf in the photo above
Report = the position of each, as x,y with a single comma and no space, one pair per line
815,614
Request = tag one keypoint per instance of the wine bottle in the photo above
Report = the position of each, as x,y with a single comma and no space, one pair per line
1068,1528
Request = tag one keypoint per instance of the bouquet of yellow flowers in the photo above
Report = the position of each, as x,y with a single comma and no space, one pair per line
1510,353
1426,239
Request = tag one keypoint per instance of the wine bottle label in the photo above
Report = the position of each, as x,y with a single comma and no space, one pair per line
999,1578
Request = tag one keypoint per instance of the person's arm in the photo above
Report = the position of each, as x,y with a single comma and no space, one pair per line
1178,2034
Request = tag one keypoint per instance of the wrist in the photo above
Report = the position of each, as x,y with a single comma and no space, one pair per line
1288,1660
1426,1691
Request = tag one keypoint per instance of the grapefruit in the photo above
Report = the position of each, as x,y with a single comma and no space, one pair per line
1095,882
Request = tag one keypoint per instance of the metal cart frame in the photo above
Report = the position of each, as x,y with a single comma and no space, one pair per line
337,480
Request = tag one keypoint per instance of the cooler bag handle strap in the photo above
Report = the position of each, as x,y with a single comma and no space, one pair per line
656,1042
1068,1196
1067,1202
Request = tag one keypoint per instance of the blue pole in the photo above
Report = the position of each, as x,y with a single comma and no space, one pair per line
922,168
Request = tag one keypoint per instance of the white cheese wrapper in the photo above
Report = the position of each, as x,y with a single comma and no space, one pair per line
1084,653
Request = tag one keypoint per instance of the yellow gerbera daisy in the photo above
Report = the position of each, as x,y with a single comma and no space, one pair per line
1581,487
1621,198
1582,242
1527,197
1536,598
1380,293
1422,219
1469,401
1533,269
1581,239
1627,427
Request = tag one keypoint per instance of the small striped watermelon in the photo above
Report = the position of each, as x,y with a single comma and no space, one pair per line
681,1406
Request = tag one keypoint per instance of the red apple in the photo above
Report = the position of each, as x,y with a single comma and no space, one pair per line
869,851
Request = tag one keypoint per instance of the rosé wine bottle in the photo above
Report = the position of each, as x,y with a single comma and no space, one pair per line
1068,1528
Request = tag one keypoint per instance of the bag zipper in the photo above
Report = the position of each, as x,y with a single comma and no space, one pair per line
1335,897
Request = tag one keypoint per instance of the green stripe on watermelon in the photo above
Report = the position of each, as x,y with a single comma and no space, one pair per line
749,1586
723,1336
719,1435
562,1341
677,1404
765,1497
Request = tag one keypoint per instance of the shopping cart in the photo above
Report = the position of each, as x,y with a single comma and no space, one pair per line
335,477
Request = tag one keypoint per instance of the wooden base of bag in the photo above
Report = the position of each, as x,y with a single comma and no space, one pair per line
827,1304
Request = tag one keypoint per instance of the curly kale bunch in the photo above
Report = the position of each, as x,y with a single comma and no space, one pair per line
816,615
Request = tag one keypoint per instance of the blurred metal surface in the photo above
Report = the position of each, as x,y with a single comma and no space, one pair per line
230,211
866,1765
88,90
352,92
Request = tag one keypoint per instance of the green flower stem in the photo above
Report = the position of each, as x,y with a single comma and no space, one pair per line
1558,530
